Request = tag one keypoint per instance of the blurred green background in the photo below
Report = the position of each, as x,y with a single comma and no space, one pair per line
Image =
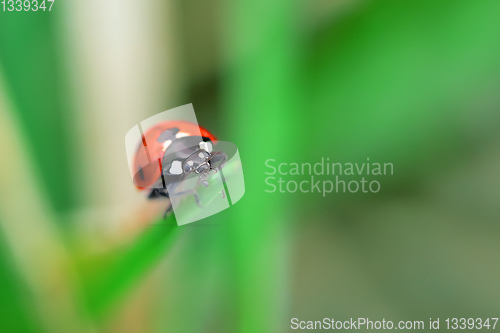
413,83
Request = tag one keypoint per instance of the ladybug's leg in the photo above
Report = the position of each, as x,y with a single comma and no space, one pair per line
169,211
190,192
158,193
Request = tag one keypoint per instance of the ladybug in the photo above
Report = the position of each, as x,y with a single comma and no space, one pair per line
171,151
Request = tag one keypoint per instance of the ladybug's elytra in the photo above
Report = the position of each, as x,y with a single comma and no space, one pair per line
170,151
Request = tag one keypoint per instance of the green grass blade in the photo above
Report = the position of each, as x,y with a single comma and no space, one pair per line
108,280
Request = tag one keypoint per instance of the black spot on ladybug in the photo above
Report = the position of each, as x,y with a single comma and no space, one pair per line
169,134
141,174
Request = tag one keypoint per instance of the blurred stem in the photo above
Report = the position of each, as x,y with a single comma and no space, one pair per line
28,228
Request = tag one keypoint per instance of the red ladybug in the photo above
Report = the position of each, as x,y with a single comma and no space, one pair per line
170,151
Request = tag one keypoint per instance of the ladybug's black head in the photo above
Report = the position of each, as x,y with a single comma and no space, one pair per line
191,155
197,162
203,160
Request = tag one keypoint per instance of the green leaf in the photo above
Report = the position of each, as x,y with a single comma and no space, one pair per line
108,279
